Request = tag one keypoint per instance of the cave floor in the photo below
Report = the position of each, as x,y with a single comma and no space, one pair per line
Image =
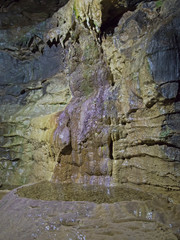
3,193
47,211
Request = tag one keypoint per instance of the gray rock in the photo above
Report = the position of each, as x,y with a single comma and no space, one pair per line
169,90
164,57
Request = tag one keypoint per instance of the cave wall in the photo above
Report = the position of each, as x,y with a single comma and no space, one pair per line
90,94
32,89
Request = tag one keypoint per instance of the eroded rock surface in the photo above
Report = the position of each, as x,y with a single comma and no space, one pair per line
123,126
32,89
92,88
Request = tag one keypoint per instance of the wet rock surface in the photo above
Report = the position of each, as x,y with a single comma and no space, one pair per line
77,192
90,92
121,126
128,214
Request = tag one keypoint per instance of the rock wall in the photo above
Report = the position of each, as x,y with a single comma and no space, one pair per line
92,94
32,89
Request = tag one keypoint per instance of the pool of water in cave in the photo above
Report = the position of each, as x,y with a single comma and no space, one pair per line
78,192
47,210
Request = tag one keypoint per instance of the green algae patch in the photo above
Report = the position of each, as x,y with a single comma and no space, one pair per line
159,4
166,132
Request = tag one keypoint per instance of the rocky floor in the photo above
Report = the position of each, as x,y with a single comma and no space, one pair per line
42,211
3,193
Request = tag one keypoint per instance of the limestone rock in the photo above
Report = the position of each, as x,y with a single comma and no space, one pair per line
90,93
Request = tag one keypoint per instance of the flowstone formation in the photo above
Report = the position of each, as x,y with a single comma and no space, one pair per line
121,125
90,92
90,100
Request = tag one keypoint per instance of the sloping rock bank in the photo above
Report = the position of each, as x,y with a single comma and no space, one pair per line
88,212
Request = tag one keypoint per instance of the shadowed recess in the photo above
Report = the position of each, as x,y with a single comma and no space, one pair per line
26,12
112,11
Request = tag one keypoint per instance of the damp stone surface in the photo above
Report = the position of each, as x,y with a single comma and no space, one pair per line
50,211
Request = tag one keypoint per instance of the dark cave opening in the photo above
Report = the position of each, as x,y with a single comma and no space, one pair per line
111,14
109,26
112,11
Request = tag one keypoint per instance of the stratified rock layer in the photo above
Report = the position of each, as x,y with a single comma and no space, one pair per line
32,89
94,90
123,126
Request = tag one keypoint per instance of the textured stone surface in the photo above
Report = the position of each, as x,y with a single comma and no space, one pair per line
148,216
89,93
32,85
123,129
92,88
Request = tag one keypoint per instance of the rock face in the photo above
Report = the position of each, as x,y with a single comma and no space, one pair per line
32,89
90,92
